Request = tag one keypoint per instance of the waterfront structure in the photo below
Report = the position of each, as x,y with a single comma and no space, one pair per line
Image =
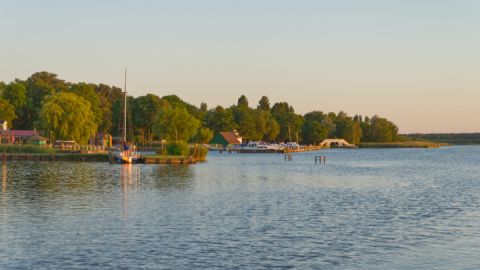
37,140
17,136
3,125
102,139
327,143
226,138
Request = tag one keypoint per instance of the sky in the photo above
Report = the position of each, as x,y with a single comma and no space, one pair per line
416,63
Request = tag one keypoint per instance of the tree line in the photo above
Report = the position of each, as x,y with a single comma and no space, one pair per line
77,111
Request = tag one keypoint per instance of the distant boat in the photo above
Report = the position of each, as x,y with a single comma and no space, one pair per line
259,147
124,153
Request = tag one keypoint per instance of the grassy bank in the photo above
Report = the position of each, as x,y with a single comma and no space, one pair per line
408,144
25,149
452,138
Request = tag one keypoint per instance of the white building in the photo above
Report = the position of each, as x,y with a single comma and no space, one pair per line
3,125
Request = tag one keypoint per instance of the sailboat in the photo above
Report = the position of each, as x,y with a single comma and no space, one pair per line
124,153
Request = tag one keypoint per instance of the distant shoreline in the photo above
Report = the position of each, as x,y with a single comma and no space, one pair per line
408,144
449,138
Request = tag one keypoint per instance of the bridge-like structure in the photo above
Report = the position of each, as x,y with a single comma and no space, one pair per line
327,143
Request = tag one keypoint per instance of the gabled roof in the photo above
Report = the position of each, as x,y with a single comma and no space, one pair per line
37,138
21,133
230,137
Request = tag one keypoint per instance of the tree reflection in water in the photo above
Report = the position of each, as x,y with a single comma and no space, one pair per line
174,176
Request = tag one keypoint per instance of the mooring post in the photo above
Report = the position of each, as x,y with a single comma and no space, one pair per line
320,159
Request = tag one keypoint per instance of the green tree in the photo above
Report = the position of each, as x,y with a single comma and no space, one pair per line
68,117
267,128
203,135
382,130
244,118
144,114
290,123
107,96
347,128
16,94
264,104
317,127
176,124
220,119
87,91
7,111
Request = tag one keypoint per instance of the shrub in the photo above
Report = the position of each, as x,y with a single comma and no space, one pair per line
179,148
199,152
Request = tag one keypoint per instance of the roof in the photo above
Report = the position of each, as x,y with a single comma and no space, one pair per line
22,133
230,137
37,138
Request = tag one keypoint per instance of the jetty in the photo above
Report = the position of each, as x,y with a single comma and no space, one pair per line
102,157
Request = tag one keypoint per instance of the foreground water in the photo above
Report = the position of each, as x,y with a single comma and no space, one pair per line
364,209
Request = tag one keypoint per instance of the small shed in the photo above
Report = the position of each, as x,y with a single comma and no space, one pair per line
37,140
226,138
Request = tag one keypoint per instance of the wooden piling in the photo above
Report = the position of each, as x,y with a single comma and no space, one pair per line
320,159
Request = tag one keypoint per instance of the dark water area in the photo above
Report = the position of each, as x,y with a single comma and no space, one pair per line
363,209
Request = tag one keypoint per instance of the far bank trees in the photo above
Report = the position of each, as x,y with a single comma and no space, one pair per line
78,110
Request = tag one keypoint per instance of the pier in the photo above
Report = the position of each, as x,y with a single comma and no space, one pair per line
181,160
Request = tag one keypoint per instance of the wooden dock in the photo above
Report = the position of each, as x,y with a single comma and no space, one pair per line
169,160
279,151
54,157
180,160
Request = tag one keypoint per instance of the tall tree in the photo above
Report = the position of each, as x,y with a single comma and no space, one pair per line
267,128
220,119
264,104
203,135
317,127
67,116
16,94
39,86
290,123
176,124
347,129
7,111
144,114
87,91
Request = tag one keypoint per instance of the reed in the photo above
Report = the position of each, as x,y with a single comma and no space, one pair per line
25,149
406,144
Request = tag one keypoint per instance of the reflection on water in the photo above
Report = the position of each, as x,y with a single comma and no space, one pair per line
130,180
364,209
176,177
4,177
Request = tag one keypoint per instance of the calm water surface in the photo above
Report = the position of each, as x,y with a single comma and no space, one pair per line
364,209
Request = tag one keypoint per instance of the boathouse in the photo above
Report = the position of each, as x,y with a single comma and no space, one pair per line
37,140
226,138
17,136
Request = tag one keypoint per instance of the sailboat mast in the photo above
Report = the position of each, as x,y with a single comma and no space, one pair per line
125,108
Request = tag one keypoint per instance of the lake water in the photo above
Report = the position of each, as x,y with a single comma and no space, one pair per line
363,209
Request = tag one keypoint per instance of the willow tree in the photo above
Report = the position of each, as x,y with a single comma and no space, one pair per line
7,111
67,116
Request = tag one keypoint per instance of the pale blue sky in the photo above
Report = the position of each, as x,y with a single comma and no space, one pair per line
414,62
